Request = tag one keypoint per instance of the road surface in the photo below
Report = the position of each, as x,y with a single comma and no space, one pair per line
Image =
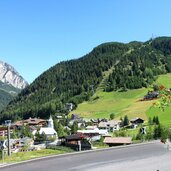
149,157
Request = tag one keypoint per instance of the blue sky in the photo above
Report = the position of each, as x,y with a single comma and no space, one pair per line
37,34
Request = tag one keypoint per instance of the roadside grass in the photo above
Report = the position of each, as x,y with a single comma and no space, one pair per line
132,132
23,156
99,145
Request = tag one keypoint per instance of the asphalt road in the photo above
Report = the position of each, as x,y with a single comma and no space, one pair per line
148,157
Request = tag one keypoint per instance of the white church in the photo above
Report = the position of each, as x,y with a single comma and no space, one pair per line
49,130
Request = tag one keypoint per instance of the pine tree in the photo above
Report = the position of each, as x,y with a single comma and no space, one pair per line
59,128
74,127
157,132
112,116
154,120
126,120
25,131
150,122
157,120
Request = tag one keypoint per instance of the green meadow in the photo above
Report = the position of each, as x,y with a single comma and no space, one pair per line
102,104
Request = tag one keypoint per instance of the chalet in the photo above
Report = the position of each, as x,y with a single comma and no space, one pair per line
75,117
97,121
111,125
91,127
78,119
3,130
137,121
93,134
115,141
31,122
151,95
69,106
77,142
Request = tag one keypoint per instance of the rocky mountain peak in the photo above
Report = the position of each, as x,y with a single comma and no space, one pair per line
10,76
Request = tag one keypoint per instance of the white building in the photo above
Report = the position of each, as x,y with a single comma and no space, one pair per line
111,125
49,130
94,134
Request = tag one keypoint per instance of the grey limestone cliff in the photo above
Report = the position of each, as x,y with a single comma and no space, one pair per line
10,76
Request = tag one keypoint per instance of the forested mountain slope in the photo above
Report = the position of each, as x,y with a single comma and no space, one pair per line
5,98
7,93
133,65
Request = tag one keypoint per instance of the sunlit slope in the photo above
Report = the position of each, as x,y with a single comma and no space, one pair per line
164,80
164,116
123,103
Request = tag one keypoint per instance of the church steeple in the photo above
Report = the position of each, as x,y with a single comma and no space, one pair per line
50,122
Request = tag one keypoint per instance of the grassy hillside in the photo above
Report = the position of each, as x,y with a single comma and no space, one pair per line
164,116
125,103
164,80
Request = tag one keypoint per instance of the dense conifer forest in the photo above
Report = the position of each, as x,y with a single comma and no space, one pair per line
132,65
7,93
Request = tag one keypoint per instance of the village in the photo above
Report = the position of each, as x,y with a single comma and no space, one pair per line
40,133
75,132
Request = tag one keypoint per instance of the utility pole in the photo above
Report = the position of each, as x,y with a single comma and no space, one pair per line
8,124
79,145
